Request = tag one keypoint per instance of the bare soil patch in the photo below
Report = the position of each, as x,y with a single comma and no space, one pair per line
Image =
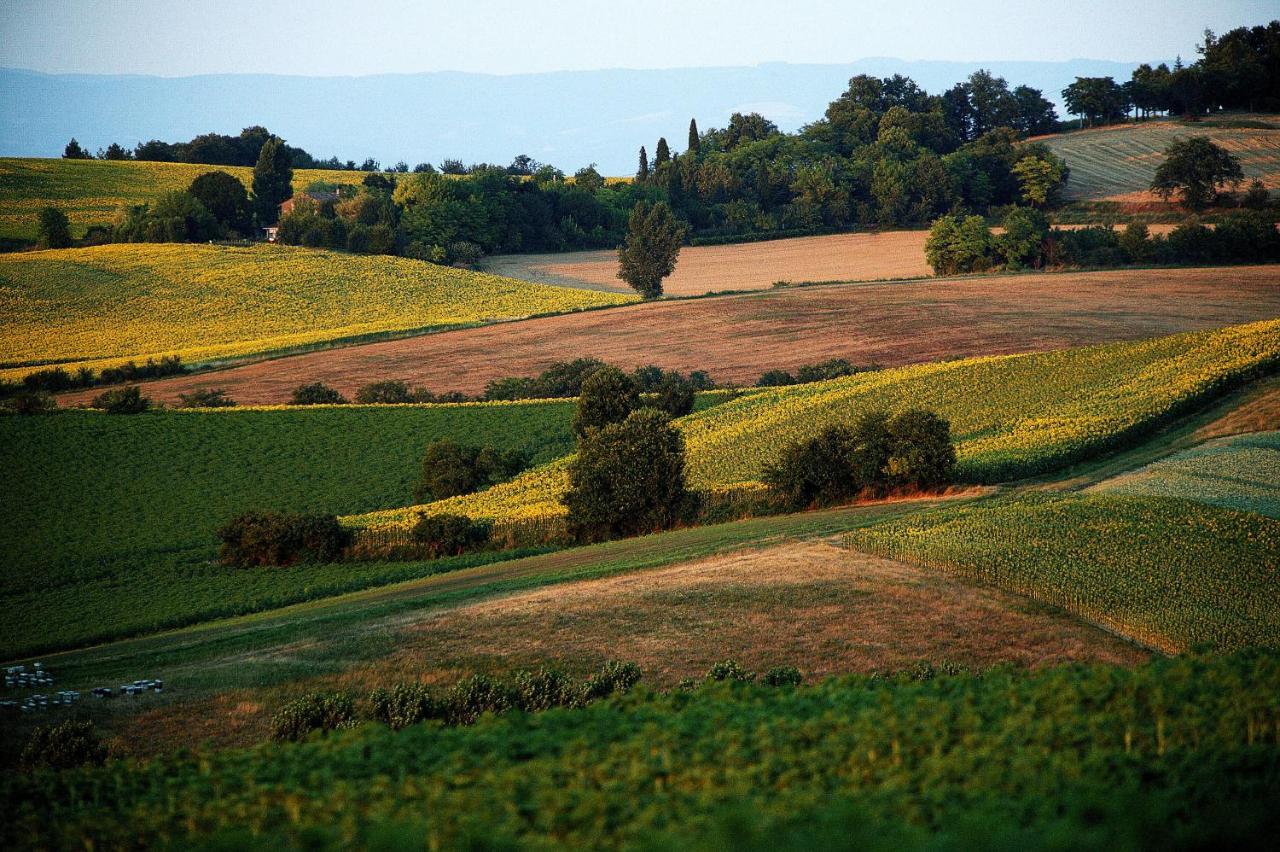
736,338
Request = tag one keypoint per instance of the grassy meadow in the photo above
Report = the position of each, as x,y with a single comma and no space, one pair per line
96,307
1011,417
91,191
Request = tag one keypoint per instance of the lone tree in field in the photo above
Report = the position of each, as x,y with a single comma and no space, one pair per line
1195,168
272,181
628,479
649,254
53,230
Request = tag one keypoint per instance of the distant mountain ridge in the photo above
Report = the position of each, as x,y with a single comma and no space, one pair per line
568,118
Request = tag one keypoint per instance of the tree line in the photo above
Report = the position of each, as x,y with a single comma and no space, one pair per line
215,149
1239,70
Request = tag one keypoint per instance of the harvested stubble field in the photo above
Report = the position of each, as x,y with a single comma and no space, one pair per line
736,338
747,266
875,256
1118,163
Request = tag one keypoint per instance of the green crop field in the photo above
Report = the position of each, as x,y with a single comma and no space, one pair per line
1180,753
1011,417
108,521
1238,473
96,307
1167,572
91,191
1120,161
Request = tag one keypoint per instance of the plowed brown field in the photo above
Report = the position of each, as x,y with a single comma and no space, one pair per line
735,338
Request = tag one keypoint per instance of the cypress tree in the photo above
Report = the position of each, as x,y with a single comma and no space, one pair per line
663,153
695,143
642,174
272,180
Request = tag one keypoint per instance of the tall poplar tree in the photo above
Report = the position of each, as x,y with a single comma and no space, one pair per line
695,142
272,181
642,173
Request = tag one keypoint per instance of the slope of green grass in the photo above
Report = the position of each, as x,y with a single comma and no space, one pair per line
1237,473
1167,572
1120,160
108,521
1174,754
98,306
1011,417
90,191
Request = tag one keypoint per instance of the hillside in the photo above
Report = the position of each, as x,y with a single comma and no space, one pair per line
96,307
1011,417
736,338
90,191
1118,163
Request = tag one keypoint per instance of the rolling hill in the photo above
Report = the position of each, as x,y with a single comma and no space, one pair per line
1011,417
1117,163
99,306
90,191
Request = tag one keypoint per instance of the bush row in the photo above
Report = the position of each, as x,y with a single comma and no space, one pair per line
467,700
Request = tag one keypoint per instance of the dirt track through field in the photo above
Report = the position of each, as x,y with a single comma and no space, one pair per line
735,338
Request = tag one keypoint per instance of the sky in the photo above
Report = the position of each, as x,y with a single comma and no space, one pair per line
361,37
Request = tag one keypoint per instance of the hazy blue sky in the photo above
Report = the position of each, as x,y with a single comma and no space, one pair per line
352,37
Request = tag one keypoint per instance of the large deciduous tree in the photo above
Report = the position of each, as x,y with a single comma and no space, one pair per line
225,197
1194,169
652,246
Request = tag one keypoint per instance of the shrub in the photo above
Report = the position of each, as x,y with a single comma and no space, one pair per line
959,245
471,698
449,535
1257,197
122,401
542,689
675,395
1022,243
29,403
608,396
405,704
511,387
1135,241
316,393
278,538
205,398
53,229
783,676
833,369
613,677
64,746
628,479
729,670
922,455
316,711
51,380
817,471
775,379
387,392
450,469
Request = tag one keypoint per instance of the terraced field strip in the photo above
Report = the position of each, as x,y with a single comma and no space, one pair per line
736,338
